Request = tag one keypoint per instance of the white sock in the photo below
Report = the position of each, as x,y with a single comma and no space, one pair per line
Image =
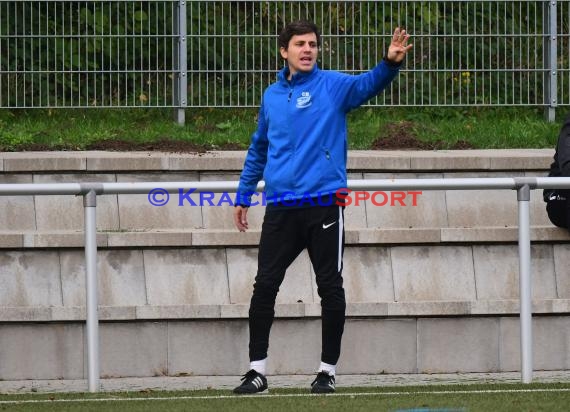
330,369
259,366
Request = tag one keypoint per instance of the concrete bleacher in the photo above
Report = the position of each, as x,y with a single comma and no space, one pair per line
430,288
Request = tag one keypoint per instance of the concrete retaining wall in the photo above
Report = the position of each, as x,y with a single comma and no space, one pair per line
430,288
370,346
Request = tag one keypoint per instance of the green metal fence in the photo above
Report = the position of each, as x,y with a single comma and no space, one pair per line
179,53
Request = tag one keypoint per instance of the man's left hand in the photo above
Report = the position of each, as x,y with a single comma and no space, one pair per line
399,46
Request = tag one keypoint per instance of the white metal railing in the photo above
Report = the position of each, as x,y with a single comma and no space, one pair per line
90,191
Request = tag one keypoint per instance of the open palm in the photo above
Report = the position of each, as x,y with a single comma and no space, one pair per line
398,46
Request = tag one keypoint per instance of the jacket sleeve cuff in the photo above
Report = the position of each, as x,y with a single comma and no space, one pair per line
243,199
391,64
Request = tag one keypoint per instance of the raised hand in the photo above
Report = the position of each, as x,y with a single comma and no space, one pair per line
398,46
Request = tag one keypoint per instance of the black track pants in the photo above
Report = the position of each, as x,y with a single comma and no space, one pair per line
285,234
558,208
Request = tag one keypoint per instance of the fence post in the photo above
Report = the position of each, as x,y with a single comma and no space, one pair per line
181,61
523,198
90,207
550,63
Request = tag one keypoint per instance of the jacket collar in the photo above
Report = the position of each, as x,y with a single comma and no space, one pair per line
298,78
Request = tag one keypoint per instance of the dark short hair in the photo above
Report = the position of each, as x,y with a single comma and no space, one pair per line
296,28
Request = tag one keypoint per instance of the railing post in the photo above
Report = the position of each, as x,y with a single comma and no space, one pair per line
181,60
550,60
90,207
523,198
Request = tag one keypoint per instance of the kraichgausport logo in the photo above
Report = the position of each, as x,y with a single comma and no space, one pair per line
341,197
304,101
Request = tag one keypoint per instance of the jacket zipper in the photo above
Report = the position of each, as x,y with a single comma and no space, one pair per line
293,146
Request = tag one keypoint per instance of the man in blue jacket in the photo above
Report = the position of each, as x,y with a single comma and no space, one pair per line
300,149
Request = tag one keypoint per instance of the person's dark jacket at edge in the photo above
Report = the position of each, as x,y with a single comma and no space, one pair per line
560,167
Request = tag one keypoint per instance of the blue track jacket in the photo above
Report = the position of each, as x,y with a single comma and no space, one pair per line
300,146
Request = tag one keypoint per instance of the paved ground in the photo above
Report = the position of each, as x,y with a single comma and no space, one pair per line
281,381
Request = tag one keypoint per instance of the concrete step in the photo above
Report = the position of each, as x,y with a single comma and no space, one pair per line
220,237
300,310
214,271
399,160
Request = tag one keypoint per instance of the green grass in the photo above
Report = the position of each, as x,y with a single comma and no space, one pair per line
472,398
489,128
66,129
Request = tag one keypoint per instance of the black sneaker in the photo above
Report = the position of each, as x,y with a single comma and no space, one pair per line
252,382
323,383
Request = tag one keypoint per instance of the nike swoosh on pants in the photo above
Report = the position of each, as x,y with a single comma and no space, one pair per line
329,225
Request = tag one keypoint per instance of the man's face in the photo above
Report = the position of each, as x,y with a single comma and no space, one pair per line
301,54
